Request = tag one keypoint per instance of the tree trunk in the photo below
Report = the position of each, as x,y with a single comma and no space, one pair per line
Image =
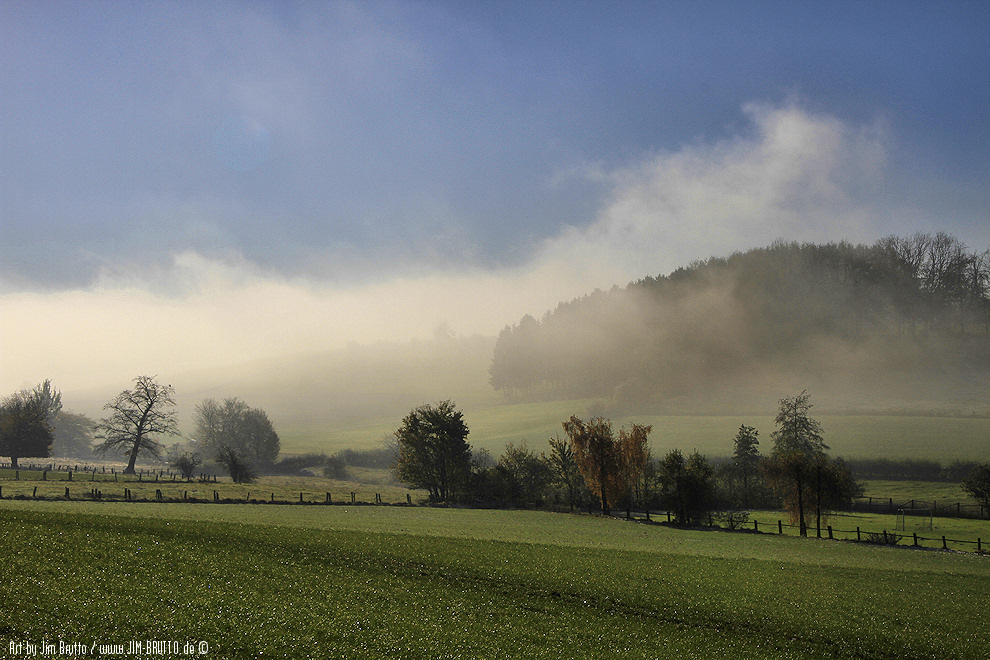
134,454
13,462
818,501
800,494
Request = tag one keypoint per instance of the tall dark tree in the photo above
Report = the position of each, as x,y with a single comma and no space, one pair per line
798,447
26,422
137,418
433,450
746,456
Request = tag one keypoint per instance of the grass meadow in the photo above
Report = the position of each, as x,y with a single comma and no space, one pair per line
369,582
942,439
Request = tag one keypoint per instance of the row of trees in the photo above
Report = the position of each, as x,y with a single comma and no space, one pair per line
237,437
596,464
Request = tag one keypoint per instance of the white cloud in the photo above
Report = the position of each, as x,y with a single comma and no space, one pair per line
798,176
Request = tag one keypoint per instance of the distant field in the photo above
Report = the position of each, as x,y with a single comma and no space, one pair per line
858,436
369,582
903,491
364,483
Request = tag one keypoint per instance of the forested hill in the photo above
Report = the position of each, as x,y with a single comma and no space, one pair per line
905,321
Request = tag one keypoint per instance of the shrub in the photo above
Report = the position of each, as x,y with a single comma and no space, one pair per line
237,466
883,538
335,468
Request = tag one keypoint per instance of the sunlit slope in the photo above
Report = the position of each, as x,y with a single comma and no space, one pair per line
853,436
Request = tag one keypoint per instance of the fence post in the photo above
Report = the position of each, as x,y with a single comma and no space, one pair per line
857,534
185,494
35,494
44,475
353,497
273,497
408,498
70,475
328,497
944,544
915,535
300,498
668,516
979,544
830,532
66,492
780,527
216,496
756,525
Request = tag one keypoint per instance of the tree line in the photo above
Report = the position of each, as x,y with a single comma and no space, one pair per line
595,465
240,439
918,299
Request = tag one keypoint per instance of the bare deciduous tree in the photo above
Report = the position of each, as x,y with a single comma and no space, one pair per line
136,417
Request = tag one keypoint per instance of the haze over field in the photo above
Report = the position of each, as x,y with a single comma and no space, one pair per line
213,192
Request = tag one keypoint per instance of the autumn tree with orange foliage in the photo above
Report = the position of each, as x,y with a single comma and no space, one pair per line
610,466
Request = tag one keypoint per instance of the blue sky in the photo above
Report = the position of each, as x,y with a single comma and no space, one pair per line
158,153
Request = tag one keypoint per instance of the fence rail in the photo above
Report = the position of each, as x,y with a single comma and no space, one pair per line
939,509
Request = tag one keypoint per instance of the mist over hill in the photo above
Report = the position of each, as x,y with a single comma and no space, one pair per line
900,324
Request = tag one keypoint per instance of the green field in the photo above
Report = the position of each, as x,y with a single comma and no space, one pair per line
853,436
300,582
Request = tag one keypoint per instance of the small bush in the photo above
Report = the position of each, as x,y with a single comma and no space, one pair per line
335,468
883,538
731,519
186,464
240,471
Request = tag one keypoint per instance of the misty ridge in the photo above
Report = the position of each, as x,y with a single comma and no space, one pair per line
902,324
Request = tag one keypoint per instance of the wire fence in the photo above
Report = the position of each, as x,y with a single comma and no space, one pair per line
938,509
